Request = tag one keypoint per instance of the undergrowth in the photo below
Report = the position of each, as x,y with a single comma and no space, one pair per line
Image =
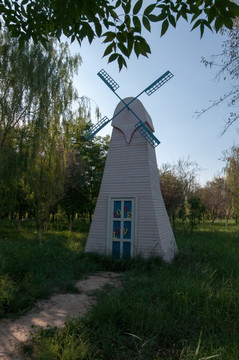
187,310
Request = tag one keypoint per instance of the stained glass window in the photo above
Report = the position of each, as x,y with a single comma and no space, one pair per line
117,209
122,226
116,229
116,249
126,250
127,209
127,230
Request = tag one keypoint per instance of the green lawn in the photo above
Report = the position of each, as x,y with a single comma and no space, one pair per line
184,311
29,272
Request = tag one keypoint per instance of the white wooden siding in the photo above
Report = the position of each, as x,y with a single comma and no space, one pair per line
131,171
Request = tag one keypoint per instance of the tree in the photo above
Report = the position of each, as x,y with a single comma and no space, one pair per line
31,76
36,99
228,63
75,195
216,198
231,157
119,22
172,194
196,211
94,154
178,184
45,178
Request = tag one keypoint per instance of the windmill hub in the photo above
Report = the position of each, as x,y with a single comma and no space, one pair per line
140,126
128,124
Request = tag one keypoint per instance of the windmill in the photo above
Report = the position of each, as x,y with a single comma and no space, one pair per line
140,126
130,217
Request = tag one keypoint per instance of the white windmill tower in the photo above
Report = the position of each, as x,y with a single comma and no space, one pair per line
130,217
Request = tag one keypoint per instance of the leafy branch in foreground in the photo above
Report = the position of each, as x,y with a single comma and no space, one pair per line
119,22
228,63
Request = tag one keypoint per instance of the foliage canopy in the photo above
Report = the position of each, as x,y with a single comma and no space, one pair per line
119,22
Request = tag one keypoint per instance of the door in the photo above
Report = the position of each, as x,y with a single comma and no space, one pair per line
122,228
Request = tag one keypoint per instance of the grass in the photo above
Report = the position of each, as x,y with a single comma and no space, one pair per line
184,311
29,272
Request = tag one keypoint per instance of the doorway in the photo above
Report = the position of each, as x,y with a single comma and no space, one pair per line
122,225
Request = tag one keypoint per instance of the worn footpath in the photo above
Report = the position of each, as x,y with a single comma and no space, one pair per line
52,312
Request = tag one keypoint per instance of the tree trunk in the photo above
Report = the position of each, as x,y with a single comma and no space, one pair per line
20,217
39,233
19,225
173,221
70,218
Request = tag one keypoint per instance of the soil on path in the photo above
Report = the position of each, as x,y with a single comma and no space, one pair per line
52,312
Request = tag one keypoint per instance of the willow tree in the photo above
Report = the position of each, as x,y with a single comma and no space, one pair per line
36,97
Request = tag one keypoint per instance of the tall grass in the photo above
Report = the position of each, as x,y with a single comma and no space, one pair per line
29,272
184,311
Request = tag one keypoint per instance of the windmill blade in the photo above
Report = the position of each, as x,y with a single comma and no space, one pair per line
140,126
147,134
97,127
108,80
158,83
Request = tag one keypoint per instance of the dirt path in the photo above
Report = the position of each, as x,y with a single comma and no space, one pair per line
53,312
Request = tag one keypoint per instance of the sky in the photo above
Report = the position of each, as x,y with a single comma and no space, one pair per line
173,107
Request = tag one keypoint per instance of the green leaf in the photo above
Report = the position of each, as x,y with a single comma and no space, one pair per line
228,22
196,15
121,62
164,27
127,7
130,41
113,57
121,36
118,3
208,3
137,24
172,20
197,23
127,21
219,23
162,16
98,28
212,13
149,9
234,9
123,49
137,7
106,23
146,23
109,36
202,29
137,48
145,47
153,18
113,14
109,49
